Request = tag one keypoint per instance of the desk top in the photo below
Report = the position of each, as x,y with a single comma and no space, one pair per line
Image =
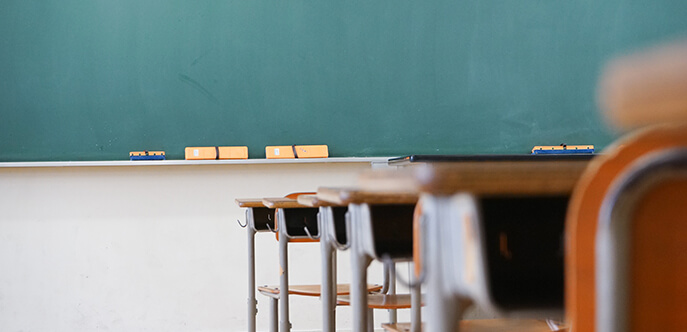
282,203
345,196
416,158
249,202
314,201
502,177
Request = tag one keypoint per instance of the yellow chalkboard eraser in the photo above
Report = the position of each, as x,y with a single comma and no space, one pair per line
216,152
147,155
296,151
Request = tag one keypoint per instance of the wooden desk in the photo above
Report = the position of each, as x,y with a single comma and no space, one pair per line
433,159
300,220
258,219
485,222
272,214
380,227
293,217
516,177
332,220
333,234
295,223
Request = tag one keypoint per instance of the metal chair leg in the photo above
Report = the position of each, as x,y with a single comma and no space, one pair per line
252,301
274,314
285,324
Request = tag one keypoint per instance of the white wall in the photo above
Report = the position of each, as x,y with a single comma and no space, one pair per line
149,248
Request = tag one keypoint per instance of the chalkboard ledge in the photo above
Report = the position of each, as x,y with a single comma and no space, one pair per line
372,160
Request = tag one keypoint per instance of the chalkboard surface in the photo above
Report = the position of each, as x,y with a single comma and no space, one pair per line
95,79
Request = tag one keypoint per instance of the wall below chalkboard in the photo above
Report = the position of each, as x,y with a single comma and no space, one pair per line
93,80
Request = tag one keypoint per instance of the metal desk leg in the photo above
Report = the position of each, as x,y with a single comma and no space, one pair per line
415,303
442,306
285,325
359,263
370,320
334,292
252,302
392,291
328,290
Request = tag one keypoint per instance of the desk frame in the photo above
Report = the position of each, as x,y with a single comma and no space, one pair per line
363,252
251,230
450,209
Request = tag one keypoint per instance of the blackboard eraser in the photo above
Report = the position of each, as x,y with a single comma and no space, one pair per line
147,155
296,151
563,149
216,152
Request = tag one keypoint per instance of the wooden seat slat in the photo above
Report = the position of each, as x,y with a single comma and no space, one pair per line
491,325
314,290
381,301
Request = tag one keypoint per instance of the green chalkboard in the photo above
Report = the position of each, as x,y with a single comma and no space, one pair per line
95,79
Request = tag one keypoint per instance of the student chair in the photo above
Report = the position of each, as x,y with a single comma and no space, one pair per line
626,260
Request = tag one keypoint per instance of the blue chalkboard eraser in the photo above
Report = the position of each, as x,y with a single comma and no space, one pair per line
563,149
147,155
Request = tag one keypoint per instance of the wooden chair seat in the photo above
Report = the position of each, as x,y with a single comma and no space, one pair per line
491,325
381,301
314,290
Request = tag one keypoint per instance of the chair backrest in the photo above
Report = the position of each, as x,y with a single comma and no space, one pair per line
649,221
628,214
641,251
646,88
